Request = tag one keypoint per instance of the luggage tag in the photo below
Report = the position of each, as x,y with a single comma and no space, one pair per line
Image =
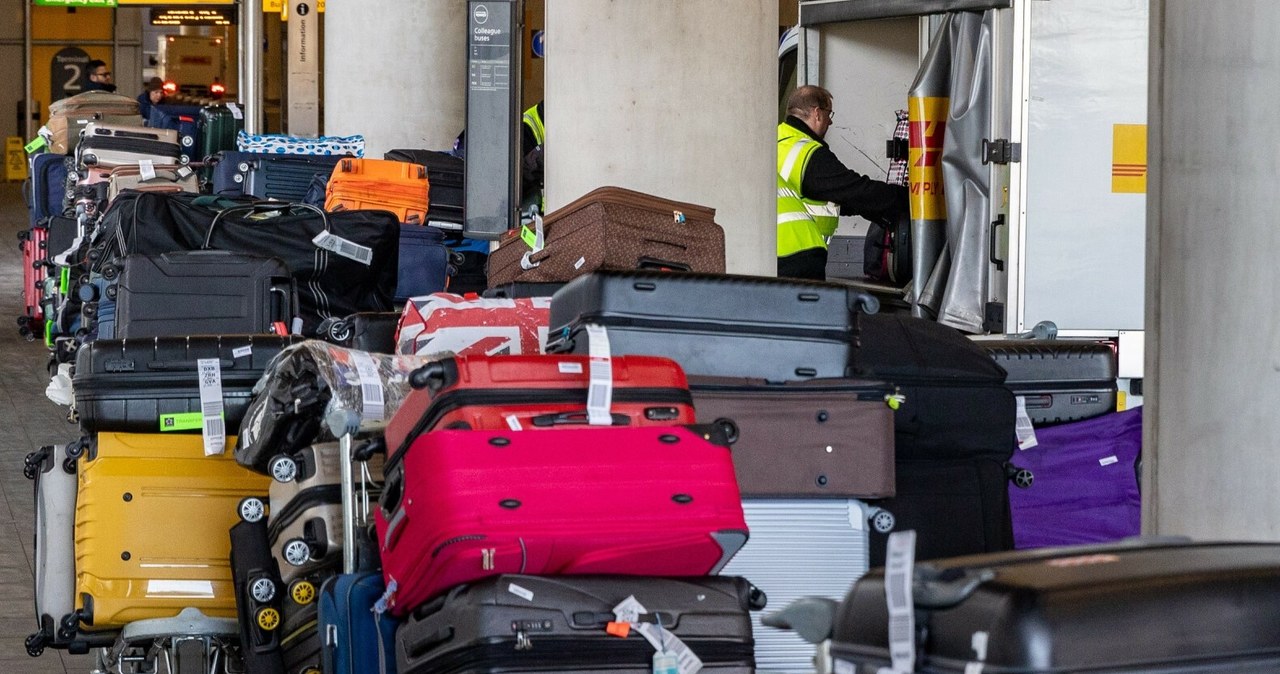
535,239
898,573
38,142
372,403
235,111
1025,430
213,429
600,390
340,246
146,170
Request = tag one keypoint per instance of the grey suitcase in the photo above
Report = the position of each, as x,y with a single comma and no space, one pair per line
109,146
801,548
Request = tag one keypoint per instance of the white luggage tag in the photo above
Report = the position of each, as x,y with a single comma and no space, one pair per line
212,428
372,403
146,170
600,389
1025,430
898,573
235,111
340,246
535,240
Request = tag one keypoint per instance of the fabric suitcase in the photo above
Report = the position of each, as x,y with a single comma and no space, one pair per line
55,573
800,548
170,178
528,502
379,184
352,146
536,392
300,641
717,325
284,177
47,190
445,175
259,598
465,326
1124,608
819,438
357,638
561,625
1058,380
185,119
108,146
373,331
150,385
152,512
614,228
424,262
1086,485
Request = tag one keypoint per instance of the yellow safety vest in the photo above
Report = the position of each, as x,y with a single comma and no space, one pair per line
802,223
534,121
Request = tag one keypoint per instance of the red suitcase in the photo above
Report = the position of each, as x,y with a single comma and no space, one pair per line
536,392
643,501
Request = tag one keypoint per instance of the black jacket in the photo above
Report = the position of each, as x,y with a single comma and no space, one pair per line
826,179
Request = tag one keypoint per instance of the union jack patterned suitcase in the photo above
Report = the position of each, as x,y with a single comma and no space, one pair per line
469,326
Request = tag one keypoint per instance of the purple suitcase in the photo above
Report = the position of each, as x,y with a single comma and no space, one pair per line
1086,487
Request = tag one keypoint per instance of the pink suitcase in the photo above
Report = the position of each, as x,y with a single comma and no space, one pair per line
644,501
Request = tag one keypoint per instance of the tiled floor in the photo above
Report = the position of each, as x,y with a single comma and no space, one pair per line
28,420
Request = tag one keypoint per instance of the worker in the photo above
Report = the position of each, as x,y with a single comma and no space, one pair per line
152,95
532,138
814,188
99,77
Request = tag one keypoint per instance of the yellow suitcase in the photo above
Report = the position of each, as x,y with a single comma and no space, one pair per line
151,532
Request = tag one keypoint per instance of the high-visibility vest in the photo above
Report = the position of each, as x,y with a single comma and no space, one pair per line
534,121
802,223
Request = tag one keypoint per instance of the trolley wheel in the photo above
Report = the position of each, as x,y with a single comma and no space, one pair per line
251,509
297,552
35,644
883,521
263,590
283,468
302,592
267,618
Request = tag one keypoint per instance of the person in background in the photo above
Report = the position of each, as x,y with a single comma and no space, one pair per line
153,94
815,188
533,135
99,77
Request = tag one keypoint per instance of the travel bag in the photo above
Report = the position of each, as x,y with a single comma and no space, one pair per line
46,192
320,146
1136,607
536,392
613,228
715,324
184,119
280,177
445,175
379,184
372,331
153,511
465,326
109,146
259,598
152,385
358,637
424,262
520,502
517,623
1058,381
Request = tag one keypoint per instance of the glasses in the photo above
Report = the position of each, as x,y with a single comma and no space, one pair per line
104,73
831,114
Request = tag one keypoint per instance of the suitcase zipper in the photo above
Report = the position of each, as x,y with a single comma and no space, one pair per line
563,653
304,500
136,145
864,392
667,325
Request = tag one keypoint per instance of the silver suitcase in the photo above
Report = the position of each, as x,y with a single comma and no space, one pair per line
801,548
55,571
110,146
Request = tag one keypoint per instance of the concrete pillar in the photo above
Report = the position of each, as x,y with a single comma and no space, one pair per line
395,71
672,98
1212,439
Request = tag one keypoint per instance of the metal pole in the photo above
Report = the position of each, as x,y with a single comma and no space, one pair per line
348,506
28,132
251,64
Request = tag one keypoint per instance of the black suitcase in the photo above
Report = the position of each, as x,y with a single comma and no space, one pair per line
514,623
281,177
444,175
258,598
1157,608
373,331
1059,380
204,292
519,290
715,324
135,385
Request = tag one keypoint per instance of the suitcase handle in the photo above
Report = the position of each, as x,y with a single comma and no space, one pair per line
575,419
416,648
389,502
647,262
172,365
262,208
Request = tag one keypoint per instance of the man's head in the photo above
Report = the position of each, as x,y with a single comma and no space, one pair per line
98,72
812,105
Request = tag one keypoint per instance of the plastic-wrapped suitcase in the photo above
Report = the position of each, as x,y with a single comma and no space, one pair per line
185,119
1058,380
284,177
151,385
561,625
47,194
372,331
529,502
613,228
107,146
357,639
1185,608
445,174
424,262
259,597
718,325
535,392
379,184
152,513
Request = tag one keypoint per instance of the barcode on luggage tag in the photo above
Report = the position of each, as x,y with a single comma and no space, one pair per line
241,352
343,247
900,560
371,401
214,430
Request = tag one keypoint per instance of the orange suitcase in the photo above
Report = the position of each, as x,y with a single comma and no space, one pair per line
379,184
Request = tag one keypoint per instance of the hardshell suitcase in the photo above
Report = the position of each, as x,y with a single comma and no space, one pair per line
68,116
357,639
718,325
184,119
445,175
614,228
1058,381
463,326
218,127
54,563
48,187
259,598
424,262
34,244
536,392
284,177
1128,608
379,184
562,625
152,514
352,146
528,502
152,385
829,438
163,178
108,146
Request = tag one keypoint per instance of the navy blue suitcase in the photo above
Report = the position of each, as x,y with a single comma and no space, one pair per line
48,195
185,119
283,177
356,639
424,262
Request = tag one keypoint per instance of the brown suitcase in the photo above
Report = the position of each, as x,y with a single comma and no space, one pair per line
815,438
68,116
613,228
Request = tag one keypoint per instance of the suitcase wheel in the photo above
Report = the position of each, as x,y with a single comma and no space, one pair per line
268,618
251,509
283,468
302,592
883,521
297,552
263,590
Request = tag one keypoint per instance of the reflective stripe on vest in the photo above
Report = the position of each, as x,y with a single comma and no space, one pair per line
534,122
802,223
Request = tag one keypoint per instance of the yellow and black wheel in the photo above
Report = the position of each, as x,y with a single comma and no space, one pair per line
268,618
302,592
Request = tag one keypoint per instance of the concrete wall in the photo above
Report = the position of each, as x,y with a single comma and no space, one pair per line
395,71
1213,355
670,98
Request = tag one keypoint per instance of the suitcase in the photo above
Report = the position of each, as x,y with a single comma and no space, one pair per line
34,244
1128,608
259,597
445,174
613,228
463,326
47,194
1058,381
170,178
373,331
560,625
68,116
218,128
379,184
535,392
357,639
829,438
717,325
352,146
300,641
55,573
844,257
109,146
424,262
801,548
151,385
185,119
283,177
518,290
152,515
1086,483
528,503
